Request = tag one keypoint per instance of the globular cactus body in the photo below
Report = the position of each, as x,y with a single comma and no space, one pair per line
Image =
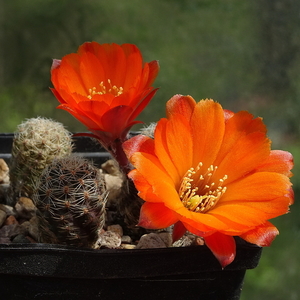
71,196
36,143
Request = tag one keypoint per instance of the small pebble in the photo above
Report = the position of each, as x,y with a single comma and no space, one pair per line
167,238
11,220
151,240
185,241
116,229
20,238
34,228
112,168
7,232
4,171
3,216
128,246
108,239
114,187
25,208
126,239
199,241
4,188
8,209
31,227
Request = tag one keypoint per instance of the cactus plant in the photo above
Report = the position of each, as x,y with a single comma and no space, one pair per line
37,141
71,196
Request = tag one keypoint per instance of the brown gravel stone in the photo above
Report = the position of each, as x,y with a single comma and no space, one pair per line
128,246
11,220
8,209
151,240
116,229
3,216
4,171
126,239
7,232
20,238
166,238
25,208
108,239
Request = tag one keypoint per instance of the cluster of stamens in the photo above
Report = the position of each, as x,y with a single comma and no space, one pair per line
105,89
198,192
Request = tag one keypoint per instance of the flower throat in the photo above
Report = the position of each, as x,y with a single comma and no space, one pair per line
105,89
198,192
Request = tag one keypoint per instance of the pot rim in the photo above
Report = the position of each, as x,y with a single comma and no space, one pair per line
65,261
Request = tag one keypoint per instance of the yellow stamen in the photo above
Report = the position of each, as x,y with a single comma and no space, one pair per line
197,192
105,89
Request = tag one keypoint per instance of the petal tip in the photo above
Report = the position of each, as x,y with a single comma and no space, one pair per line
55,63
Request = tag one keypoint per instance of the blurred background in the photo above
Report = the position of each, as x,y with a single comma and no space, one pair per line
243,54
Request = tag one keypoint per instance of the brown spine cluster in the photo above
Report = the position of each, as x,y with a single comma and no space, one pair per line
71,196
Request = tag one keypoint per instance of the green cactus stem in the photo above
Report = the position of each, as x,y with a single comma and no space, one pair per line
36,143
71,195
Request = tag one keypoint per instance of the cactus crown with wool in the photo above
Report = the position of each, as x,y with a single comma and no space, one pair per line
71,196
36,143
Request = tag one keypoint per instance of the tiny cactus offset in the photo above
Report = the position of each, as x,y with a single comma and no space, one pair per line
71,195
37,141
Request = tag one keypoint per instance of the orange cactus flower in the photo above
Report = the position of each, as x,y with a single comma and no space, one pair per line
104,86
211,172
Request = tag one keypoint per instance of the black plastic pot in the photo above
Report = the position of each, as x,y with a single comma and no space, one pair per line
44,271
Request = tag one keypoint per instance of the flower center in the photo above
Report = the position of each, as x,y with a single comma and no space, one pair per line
104,89
198,192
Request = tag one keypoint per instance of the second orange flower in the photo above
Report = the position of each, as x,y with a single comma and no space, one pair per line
211,172
104,86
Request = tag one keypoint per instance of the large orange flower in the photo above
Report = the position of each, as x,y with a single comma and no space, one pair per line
211,172
105,87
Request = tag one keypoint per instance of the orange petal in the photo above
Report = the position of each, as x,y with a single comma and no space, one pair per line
178,231
143,186
261,235
222,246
58,96
79,115
138,143
153,72
208,231
201,222
161,185
179,144
257,187
208,125
139,106
116,125
140,151
91,70
156,216
162,150
228,114
181,105
68,77
134,64
254,199
238,125
278,161
116,64
113,60
245,154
